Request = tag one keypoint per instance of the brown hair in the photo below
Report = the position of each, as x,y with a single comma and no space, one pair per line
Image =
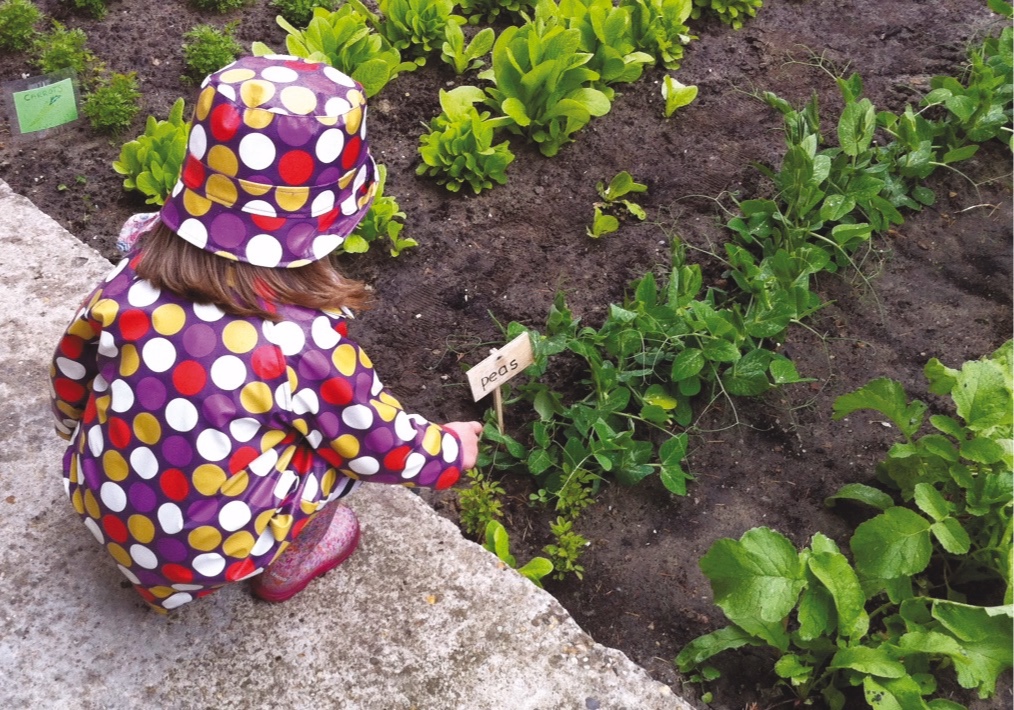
172,263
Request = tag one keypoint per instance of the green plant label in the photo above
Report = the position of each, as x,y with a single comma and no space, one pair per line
48,106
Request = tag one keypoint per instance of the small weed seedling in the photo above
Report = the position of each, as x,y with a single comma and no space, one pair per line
112,106
18,19
498,542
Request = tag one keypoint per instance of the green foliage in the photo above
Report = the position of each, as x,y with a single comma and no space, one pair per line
542,83
461,57
112,106
958,477
828,619
606,33
982,109
17,24
498,542
219,6
299,12
206,49
458,149
612,201
732,12
63,49
676,95
151,163
345,40
659,28
384,219
488,10
637,373
413,26
480,503
566,550
93,8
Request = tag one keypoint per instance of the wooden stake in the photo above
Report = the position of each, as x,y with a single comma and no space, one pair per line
498,403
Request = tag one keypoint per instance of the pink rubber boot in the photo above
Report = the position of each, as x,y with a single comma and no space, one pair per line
316,551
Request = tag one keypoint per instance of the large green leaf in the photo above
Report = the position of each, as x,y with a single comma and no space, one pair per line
987,639
894,544
756,581
835,573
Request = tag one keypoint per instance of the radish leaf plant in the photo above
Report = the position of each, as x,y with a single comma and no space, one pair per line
888,620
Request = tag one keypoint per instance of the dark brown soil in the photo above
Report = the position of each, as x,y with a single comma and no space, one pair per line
940,285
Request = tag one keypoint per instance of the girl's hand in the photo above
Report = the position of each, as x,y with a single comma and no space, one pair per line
469,433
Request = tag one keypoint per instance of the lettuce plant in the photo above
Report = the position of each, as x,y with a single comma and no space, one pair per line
489,10
606,33
461,57
415,27
384,219
458,149
151,162
93,8
731,12
676,95
542,83
659,28
345,40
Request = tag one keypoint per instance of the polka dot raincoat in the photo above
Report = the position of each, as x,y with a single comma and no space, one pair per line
201,443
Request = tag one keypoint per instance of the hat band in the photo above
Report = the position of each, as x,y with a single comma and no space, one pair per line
274,201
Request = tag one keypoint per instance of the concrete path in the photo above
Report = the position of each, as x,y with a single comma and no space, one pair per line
418,618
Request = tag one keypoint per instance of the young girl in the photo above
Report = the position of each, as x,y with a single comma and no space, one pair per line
215,406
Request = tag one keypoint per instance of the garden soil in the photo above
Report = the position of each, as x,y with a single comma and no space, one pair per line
937,286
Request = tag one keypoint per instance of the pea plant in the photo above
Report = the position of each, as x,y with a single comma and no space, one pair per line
897,615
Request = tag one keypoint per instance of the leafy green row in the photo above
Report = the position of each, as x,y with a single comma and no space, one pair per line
827,618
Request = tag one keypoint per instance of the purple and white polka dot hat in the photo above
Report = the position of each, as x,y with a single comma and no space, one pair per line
278,169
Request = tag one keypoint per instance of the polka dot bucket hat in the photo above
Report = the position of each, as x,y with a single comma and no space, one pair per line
278,170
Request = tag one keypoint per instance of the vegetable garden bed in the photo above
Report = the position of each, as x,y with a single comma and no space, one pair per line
937,285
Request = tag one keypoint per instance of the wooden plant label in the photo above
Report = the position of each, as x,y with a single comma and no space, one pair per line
501,366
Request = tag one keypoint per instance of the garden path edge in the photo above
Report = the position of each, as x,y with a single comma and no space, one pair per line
418,618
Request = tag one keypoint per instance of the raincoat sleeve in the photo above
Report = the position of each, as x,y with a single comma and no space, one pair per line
355,424
72,371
